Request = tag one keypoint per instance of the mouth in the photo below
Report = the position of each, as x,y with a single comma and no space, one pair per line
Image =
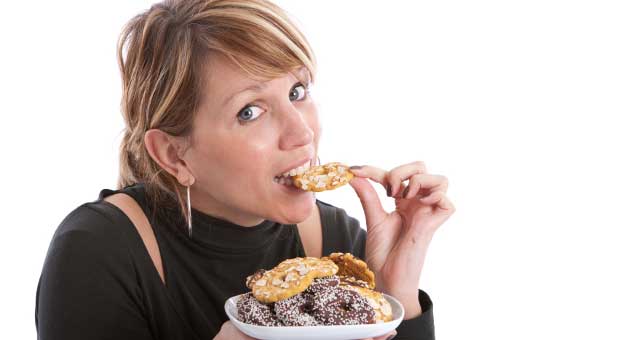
286,177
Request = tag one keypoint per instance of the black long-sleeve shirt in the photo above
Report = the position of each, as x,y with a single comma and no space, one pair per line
98,281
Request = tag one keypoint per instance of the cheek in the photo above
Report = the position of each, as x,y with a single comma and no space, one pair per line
313,120
237,158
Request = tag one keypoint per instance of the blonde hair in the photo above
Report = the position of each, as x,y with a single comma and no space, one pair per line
161,54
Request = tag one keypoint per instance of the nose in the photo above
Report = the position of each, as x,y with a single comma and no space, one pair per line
296,129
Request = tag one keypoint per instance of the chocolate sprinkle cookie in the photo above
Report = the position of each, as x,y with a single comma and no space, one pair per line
340,306
254,312
323,283
297,310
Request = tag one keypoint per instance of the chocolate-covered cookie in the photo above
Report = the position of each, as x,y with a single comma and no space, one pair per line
342,307
322,283
254,312
296,310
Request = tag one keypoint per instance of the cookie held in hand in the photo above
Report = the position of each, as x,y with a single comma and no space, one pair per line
324,177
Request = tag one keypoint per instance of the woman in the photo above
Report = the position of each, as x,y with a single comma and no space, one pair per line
217,104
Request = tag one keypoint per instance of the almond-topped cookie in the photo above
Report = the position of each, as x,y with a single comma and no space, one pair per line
289,278
350,265
323,177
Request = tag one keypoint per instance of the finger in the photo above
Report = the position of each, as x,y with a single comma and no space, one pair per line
229,330
398,175
374,173
446,205
440,200
372,206
426,181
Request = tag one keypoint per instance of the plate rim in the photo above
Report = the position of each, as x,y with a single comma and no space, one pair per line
232,302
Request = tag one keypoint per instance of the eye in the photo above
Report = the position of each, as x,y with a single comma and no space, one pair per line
249,113
298,92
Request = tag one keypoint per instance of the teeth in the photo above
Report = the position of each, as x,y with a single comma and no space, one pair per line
284,180
297,171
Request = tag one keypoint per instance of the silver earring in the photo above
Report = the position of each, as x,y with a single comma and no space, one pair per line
189,209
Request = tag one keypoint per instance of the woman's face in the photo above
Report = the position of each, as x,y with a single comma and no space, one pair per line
245,133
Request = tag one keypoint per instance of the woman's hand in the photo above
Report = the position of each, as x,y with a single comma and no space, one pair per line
229,331
397,241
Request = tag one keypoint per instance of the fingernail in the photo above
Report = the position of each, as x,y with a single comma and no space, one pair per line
356,167
405,191
388,190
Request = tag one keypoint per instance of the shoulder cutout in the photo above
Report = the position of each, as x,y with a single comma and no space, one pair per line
135,213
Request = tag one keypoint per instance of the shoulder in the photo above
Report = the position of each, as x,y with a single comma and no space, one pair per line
99,220
342,232
89,275
90,248
93,231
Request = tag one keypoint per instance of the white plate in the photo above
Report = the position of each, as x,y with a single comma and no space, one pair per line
316,332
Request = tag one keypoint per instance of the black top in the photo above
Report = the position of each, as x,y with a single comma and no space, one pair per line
98,281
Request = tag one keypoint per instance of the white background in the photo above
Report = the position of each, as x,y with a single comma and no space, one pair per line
514,101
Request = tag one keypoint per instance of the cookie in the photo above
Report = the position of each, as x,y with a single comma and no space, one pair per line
252,278
296,310
253,312
382,308
323,177
291,277
323,283
340,306
350,265
352,281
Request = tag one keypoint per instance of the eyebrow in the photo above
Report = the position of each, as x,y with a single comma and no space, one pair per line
253,88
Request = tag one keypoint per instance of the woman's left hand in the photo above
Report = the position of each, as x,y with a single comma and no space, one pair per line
397,241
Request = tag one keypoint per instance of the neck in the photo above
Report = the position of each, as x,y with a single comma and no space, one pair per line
221,211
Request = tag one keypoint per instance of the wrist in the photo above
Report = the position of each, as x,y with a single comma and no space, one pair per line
412,309
421,238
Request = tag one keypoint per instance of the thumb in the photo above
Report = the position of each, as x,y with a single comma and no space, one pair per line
374,212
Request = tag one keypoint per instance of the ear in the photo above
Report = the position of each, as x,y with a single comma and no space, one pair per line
165,150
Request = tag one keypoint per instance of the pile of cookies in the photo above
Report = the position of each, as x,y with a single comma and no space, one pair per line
306,291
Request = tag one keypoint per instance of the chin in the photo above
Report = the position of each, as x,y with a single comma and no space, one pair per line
295,212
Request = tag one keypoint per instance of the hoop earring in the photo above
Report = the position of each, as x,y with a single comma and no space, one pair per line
189,210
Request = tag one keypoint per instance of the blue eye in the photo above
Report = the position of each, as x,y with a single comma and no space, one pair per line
249,113
299,92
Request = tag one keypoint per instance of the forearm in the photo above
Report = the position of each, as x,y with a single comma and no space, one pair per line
407,292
